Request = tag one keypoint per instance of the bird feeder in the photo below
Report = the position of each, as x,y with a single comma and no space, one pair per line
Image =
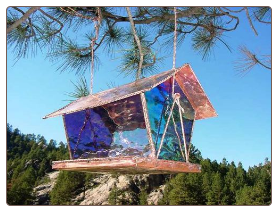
141,127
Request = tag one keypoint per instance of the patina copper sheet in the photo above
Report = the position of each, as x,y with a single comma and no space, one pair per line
195,93
127,165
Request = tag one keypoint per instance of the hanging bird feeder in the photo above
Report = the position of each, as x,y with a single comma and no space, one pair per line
141,127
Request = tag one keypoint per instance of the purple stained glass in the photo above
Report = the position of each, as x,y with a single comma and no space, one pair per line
111,130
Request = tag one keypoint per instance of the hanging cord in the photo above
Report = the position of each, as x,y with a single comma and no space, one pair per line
175,40
182,129
181,110
176,100
166,126
174,51
176,131
97,22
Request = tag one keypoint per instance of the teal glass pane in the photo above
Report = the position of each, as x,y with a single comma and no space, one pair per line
159,102
112,130
187,124
188,115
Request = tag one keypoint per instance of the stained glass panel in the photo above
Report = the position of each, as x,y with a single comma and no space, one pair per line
159,102
115,129
188,115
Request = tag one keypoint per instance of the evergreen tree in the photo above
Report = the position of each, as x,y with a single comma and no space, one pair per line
27,162
240,176
215,195
256,195
206,185
231,183
21,192
113,196
187,190
29,159
143,196
67,186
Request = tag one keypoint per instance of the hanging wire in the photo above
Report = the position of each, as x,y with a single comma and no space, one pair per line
97,22
166,125
175,40
176,100
174,50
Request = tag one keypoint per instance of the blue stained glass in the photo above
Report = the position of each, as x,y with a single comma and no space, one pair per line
132,142
188,115
115,129
159,102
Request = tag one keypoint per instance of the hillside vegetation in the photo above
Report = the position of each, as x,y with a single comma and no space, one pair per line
29,160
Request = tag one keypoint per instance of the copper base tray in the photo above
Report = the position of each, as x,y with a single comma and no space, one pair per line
126,165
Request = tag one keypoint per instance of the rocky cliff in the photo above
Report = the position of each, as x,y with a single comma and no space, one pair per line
100,188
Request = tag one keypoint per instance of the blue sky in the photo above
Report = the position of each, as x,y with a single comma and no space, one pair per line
241,132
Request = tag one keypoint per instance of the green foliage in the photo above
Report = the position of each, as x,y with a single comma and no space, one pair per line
215,194
67,186
69,56
131,56
122,197
255,195
81,89
143,195
28,160
22,188
22,40
186,190
55,29
113,196
204,41
221,184
195,155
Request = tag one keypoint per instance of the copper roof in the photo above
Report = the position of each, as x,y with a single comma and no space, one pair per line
184,76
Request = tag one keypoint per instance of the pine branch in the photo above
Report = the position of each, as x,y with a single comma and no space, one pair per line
81,89
29,23
248,61
138,44
250,21
262,13
54,19
22,19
